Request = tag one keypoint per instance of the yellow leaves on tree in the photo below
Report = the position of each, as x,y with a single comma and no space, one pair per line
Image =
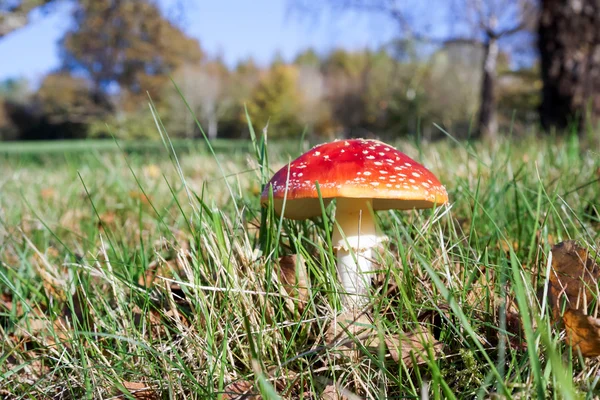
276,101
573,286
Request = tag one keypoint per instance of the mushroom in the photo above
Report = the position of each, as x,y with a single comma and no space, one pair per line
363,176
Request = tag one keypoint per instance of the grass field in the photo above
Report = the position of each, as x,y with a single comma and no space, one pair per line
136,273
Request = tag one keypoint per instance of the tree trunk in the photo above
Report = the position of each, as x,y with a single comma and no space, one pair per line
569,45
487,125
212,126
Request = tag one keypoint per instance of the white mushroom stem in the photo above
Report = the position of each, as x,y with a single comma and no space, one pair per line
354,236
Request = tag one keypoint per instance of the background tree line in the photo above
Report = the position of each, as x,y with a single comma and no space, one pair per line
464,79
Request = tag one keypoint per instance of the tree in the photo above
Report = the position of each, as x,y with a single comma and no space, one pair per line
15,14
205,88
487,22
126,45
276,100
63,98
569,44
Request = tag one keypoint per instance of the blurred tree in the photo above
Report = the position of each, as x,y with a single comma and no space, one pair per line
345,80
243,81
569,44
313,112
15,89
205,88
519,97
63,98
359,88
308,57
14,14
276,101
484,21
126,45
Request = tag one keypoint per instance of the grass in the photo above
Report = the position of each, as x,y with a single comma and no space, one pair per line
129,269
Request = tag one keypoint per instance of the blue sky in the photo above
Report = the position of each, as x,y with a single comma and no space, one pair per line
235,29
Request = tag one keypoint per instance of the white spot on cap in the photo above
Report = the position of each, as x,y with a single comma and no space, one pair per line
375,183
408,164
425,184
416,174
371,157
383,172
317,153
381,153
411,180
342,151
367,173
365,151
300,174
378,163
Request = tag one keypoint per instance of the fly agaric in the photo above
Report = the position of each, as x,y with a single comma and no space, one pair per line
363,176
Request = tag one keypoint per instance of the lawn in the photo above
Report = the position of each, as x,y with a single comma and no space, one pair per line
151,272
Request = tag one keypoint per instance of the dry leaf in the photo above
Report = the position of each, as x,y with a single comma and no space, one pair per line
574,276
157,269
151,171
292,273
47,193
107,218
141,196
140,391
349,326
239,390
583,332
413,347
332,393
407,347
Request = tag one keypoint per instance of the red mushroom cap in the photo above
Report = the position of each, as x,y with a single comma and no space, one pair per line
357,168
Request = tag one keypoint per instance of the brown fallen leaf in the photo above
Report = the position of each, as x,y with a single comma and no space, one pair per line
292,273
331,392
412,348
583,332
140,391
141,196
47,193
573,285
574,274
157,269
239,390
106,219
